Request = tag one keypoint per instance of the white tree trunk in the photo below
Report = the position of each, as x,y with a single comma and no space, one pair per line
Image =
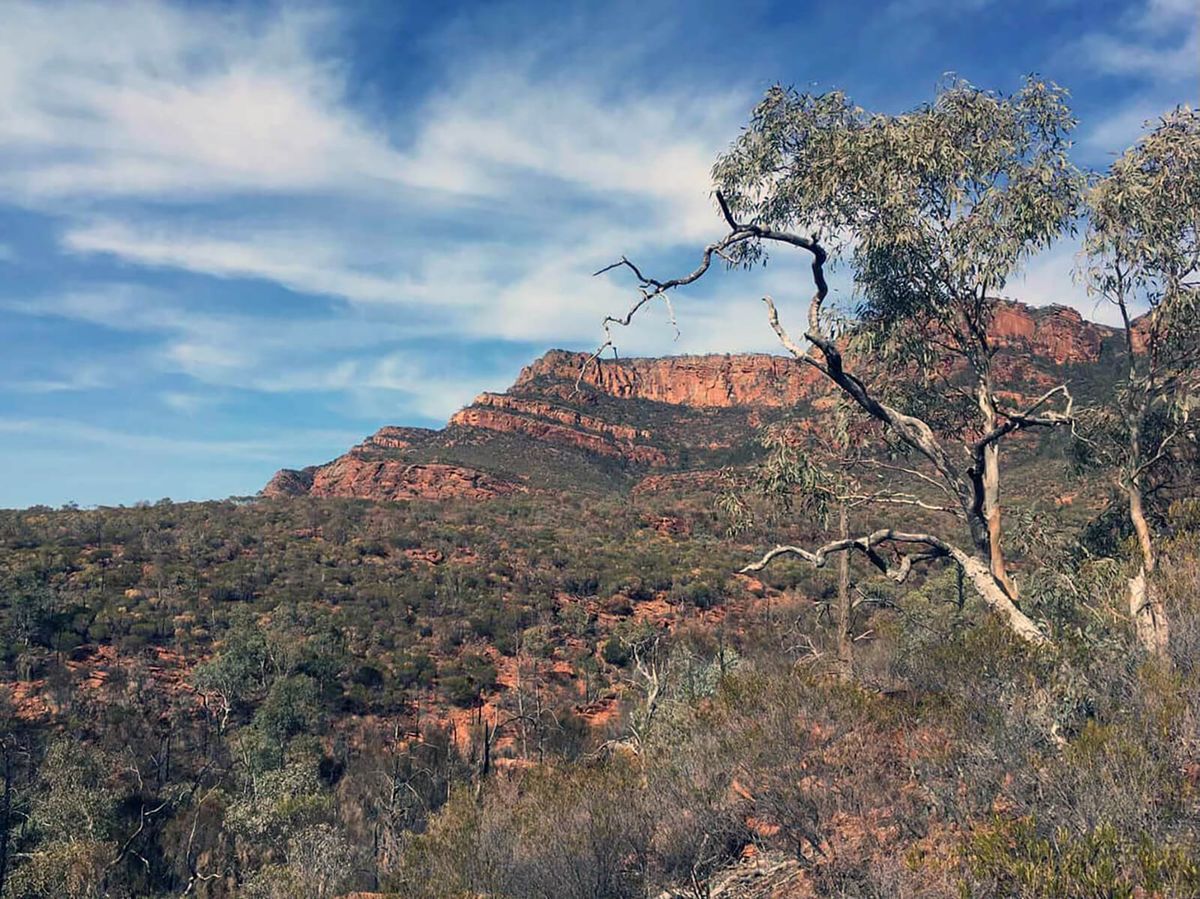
989,590
1145,605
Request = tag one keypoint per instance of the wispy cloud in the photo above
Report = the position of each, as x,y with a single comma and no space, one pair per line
68,431
301,262
152,99
1156,45
484,220
1157,39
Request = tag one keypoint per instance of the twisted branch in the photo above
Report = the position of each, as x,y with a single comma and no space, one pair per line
867,544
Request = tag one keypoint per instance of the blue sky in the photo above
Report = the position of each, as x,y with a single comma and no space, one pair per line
236,237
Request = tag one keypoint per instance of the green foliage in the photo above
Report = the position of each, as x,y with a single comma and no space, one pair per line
935,207
467,678
291,707
1014,858
316,757
241,667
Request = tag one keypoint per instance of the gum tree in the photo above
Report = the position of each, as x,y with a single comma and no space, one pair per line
933,210
1143,255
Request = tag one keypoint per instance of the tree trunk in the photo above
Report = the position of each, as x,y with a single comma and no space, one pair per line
978,572
845,643
1145,604
991,494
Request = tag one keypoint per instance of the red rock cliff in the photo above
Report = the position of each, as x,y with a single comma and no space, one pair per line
389,479
1054,333
704,381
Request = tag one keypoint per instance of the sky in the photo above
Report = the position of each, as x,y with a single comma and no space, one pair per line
236,237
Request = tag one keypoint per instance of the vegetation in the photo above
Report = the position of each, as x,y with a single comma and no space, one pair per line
585,693
933,210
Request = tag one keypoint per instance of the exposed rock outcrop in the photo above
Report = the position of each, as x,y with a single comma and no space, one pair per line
290,482
494,418
395,479
565,416
392,437
755,379
1055,333
691,480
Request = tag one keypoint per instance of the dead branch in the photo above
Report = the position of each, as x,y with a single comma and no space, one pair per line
1016,421
868,546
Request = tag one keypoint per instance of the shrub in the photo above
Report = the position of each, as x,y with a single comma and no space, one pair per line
1015,858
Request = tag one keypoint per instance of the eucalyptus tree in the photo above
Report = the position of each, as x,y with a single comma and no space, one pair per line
933,210
1143,255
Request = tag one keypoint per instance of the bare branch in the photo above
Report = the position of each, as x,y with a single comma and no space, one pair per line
867,545
901,499
1016,421
929,548
784,338
933,482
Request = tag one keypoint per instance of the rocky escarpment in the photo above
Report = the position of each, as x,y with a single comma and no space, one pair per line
290,482
699,381
389,479
1057,334
549,431
570,420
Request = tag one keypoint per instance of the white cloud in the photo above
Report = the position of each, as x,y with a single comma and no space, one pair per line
151,99
188,403
1160,40
1111,135
301,262
156,100
76,377
527,183
1050,279
1155,43
77,432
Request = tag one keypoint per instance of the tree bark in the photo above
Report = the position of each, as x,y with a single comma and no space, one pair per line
845,643
974,566
979,503
1145,604
991,493
979,573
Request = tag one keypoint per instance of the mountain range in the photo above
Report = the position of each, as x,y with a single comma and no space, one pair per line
570,421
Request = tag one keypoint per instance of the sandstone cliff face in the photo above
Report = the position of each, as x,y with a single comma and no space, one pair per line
493,419
391,437
290,482
534,408
1053,333
701,381
1056,333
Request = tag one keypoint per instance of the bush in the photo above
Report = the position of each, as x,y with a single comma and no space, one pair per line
1015,858
617,652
